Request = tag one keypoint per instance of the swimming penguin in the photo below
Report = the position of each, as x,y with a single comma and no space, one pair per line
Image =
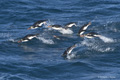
91,35
83,28
56,27
69,25
38,24
68,51
28,37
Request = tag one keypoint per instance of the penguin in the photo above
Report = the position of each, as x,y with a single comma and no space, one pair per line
68,51
28,37
37,24
83,28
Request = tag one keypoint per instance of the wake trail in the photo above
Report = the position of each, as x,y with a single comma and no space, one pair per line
66,31
46,41
106,39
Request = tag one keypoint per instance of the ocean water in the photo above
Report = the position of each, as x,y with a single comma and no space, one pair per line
40,58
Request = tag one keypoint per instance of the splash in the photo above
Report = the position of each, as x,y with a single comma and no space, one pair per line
106,39
12,40
71,56
48,24
66,31
46,41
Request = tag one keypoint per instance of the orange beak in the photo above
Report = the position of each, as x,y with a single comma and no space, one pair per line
89,23
54,35
29,28
19,41
49,26
81,35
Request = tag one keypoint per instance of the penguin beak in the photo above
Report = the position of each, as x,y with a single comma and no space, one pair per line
49,26
19,41
81,35
54,36
89,23
29,28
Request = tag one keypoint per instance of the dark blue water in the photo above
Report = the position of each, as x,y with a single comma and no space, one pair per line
40,59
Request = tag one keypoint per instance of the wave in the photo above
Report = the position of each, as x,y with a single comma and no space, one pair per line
5,37
7,76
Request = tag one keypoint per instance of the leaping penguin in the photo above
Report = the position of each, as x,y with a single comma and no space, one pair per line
88,35
83,28
28,37
37,24
68,51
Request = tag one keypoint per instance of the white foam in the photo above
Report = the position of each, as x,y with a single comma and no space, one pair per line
11,40
46,41
71,56
97,46
106,39
86,42
49,23
105,49
66,31
101,49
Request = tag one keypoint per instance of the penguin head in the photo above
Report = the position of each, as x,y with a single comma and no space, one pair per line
50,26
22,40
31,27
